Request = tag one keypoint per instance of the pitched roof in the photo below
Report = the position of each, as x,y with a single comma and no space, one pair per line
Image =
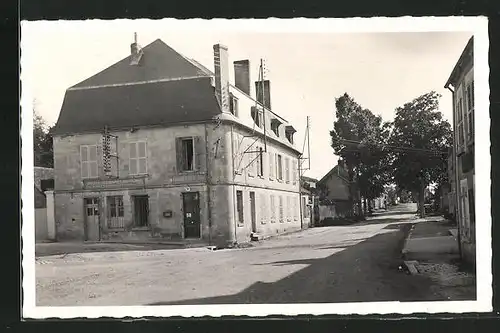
158,62
337,171
467,55
165,88
160,103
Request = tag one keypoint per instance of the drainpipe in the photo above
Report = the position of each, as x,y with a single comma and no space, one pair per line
208,180
455,173
232,192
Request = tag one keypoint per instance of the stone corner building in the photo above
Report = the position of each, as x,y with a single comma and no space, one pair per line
461,84
157,148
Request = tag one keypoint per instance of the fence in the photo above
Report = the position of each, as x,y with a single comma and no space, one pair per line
327,212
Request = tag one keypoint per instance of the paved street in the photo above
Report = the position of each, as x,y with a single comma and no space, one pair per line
329,264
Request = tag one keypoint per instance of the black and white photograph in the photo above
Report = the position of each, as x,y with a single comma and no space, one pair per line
255,167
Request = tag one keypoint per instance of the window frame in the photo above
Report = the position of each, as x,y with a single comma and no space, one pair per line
273,208
183,154
137,158
260,162
279,167
281,209
88,161
240,208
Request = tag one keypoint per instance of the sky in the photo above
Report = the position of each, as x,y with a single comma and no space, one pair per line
381,71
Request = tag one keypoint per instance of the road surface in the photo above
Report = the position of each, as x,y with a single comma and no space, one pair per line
328,264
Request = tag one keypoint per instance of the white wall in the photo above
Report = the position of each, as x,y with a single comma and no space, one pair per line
41,230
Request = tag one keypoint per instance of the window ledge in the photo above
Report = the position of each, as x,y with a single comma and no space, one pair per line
140,229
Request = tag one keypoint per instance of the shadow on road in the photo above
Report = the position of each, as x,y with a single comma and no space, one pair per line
367,271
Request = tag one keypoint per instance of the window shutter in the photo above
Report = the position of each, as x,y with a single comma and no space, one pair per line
199,153
83,160
178,154
271,165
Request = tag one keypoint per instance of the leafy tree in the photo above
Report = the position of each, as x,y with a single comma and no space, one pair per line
42,142
358,137
419,125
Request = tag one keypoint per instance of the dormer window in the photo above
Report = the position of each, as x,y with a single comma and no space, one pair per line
289,132
233,105
275,125
257,116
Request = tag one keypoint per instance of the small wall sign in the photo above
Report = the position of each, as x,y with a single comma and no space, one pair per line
167,214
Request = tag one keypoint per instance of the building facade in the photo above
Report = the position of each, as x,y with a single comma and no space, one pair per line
336,190
461,84
157,148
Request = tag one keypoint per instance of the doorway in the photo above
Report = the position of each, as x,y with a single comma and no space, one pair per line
92,219
141,210
191,209
252,212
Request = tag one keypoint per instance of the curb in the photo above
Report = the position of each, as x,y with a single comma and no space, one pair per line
404,251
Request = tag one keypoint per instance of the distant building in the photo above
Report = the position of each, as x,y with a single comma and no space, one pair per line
461,84
336,190
158,148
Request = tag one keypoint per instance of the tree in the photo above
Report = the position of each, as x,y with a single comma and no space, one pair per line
358,137
422,133
42,142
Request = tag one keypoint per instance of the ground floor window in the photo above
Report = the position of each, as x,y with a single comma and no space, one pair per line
115,212
239,206
273,209
281,209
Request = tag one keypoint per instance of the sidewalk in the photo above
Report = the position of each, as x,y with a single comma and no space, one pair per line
64,248
431,250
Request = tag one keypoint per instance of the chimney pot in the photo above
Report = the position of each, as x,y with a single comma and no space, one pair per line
221,66
242,75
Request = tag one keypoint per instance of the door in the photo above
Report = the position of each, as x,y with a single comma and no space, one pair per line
191,209
252,211
92,214
141,210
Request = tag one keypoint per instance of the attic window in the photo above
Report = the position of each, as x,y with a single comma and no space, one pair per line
257,116
275,124
289,132
233,105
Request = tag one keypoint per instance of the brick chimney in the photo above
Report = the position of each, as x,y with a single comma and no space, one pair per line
221,66
135,51
267,93
242,75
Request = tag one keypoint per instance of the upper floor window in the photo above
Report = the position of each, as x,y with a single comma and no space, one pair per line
88,158
279,167
272,167
260,164
294,171
186,154
470,110
138,158
287,169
